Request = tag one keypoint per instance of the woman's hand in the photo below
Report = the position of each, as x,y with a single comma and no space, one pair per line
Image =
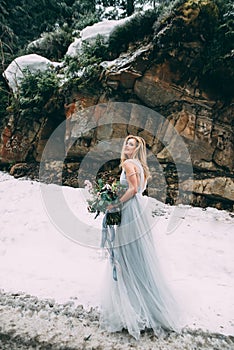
110,206
113,205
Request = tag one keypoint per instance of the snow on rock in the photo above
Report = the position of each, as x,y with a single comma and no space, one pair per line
33,62
74,48
35,44
104,28
90,33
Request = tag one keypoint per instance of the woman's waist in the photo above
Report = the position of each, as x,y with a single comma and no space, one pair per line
138,197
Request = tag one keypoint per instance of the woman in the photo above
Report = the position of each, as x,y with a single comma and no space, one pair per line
138,297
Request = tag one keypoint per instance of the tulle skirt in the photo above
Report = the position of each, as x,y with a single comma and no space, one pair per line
138,297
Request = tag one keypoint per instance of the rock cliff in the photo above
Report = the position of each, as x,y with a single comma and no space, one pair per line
157,89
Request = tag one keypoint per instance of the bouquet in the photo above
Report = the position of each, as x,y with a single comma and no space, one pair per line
103,194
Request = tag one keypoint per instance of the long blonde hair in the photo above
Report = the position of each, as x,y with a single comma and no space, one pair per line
139,153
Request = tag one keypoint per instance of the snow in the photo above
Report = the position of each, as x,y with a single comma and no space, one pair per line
33,62
74,48
38,258
90,33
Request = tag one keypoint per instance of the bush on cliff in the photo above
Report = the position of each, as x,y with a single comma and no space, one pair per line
133,30
52,45
34,93
197,37
83,71
219,66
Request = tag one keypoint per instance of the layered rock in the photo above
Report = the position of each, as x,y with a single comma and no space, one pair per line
190,129
155,91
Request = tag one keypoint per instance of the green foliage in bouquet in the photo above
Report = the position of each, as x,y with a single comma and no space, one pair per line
102,195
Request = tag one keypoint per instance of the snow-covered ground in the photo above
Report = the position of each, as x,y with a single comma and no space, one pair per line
36,258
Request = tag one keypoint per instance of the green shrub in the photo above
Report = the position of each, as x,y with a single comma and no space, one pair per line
52,45
81,72
223,40
34,92
201,34
99,49
133,30
218,71
4,100
84,20
84,70
82,7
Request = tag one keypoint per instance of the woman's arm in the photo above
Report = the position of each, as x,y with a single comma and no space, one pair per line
131,175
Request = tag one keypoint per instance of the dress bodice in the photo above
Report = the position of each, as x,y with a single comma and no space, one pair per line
142,184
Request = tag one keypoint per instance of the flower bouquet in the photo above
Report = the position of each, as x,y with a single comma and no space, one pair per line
102,195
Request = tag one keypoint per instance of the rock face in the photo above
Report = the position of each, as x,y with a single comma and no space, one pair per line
155,91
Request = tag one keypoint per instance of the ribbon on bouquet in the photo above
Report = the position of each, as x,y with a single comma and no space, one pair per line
108,236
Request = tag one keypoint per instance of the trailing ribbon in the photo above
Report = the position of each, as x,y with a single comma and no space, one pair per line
108,235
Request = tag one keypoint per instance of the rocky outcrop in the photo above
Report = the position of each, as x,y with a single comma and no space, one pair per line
157,91
23,140
192,125
222,187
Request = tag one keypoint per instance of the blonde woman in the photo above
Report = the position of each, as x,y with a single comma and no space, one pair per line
137,297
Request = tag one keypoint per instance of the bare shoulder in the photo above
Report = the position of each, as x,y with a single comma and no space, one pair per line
130,166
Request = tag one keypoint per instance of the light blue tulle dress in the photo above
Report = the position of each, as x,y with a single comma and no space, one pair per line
136,296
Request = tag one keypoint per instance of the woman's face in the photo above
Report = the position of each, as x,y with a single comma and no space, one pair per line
130,147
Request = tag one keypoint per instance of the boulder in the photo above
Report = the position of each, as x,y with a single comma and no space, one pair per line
222,187
90,33
34,63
